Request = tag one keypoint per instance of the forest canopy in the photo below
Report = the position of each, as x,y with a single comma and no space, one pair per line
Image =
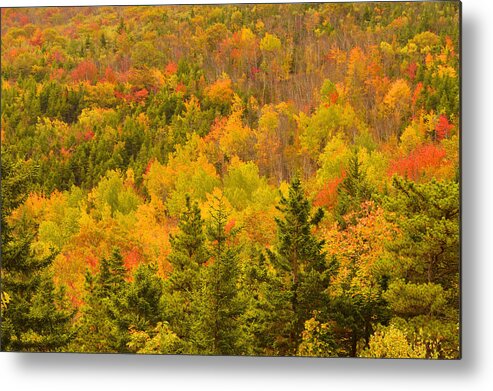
263,179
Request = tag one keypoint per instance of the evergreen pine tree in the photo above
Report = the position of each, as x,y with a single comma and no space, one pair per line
355,314
143,300
35,316
300,261
352,191
104,322
217,306
425,292
269,316
188,255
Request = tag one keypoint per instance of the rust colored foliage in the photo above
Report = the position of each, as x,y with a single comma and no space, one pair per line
230,225
132,258
110,75
137,96
180,87
254,70
149,165
37,39
85,71
141,95
417,92
327,197
57,74
58,56
411,70
92,262
89,135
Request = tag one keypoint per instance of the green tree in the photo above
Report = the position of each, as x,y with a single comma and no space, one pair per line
216,328
268,317
428,215
143,300
300,260
187,257
103,325
352,191
424,294
35,316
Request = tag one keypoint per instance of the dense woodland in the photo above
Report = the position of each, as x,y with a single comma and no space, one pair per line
231,180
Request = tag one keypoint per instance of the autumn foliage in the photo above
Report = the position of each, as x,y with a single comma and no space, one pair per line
268,179
420,162
85,71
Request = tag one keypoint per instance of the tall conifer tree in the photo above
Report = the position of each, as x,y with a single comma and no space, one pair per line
300,262
352,191
35,316
104,326
188,255
217,307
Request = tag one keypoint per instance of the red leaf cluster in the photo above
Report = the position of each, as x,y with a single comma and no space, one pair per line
58,56
411,70
180,87
137,96
415,164
92,262
443,128
23,20
171,68
89,135
57,74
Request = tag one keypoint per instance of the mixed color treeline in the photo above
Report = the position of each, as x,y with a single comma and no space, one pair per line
239,179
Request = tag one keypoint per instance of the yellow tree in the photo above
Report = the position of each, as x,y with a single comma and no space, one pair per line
356,290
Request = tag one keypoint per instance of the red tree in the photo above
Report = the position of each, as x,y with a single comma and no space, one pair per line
442,128
418,162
